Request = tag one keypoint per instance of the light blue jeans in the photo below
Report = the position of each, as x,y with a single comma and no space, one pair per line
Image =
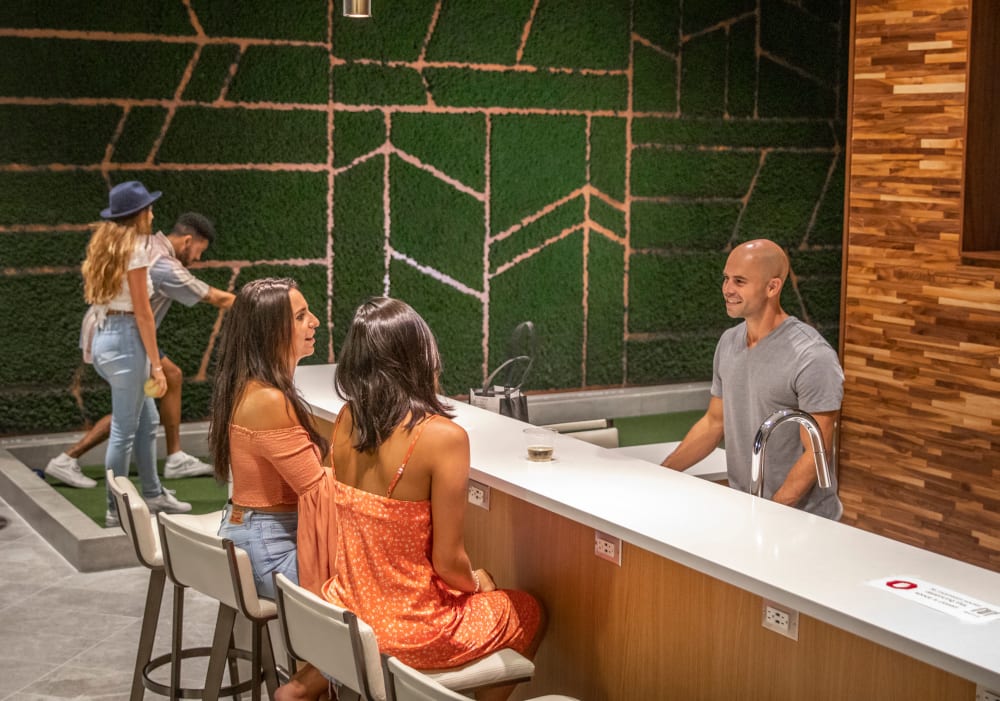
120,359
269,539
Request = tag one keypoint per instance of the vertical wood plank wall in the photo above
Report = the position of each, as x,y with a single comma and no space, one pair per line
655,630
920,437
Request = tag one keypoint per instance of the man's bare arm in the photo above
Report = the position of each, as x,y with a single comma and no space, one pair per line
701,440
802,476
219,298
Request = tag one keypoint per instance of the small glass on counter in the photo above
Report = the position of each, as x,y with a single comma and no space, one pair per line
539,444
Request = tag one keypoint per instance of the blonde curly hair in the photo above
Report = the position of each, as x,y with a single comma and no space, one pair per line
108,253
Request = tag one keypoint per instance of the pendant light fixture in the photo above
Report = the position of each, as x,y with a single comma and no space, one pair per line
358,8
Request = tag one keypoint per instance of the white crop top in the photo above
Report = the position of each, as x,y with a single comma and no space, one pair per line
141,258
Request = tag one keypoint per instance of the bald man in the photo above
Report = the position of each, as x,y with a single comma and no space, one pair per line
770,361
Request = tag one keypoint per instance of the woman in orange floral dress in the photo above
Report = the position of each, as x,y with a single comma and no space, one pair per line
402,470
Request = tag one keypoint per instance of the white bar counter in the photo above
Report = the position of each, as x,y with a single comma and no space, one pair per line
818,567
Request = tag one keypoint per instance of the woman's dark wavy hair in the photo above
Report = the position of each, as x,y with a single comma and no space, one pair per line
388,368
255,344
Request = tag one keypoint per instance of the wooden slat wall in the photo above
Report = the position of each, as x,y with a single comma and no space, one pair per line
920,438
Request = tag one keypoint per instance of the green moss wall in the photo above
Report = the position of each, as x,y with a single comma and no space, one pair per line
582,163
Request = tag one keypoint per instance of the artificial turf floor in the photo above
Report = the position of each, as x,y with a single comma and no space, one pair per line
203,493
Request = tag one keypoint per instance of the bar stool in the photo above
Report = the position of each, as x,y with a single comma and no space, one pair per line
215,567
343,647
135,520
403,683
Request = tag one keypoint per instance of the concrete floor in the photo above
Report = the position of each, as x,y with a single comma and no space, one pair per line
71,635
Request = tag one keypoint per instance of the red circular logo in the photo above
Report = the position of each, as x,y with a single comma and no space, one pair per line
900,584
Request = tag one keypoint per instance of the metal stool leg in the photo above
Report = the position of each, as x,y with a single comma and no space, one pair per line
267,660
147,636
176,643
220,652
234,668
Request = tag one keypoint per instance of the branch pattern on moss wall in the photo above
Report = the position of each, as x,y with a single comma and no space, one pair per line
585,164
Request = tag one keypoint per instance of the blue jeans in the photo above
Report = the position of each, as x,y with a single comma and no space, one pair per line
269,539
120,359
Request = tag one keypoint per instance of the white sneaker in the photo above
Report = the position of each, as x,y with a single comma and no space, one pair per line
167,503
111,519
67,470
180,464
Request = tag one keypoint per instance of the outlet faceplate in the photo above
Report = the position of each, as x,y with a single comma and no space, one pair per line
780,619
479,494
608,547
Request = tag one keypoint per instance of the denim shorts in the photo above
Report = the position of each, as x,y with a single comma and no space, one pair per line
269,540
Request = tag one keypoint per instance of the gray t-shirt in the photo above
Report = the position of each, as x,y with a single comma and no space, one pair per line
171,281
793,367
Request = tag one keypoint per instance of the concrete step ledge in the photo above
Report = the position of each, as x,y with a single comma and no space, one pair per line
85,545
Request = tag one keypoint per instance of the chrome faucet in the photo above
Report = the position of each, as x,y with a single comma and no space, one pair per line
764,432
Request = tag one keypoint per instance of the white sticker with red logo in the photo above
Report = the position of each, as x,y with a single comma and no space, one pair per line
939,598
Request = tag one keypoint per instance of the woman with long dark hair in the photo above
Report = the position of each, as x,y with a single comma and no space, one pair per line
402,471
261,433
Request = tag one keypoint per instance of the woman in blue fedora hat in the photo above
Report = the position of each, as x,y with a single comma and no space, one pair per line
116,281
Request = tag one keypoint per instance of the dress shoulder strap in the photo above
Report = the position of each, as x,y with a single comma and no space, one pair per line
333,435
409,452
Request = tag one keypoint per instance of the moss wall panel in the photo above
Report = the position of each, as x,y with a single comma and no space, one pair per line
453,314
149,17
920,435
139,134
64,68
605,307
296,74
453,42
489,162
546,288
38,334
359,252
303,20
436,224
73,135
259,215
57,197
580,34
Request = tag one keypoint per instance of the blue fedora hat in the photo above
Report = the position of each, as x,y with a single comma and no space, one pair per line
128,198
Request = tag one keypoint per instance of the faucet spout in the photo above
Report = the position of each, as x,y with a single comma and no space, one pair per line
760,443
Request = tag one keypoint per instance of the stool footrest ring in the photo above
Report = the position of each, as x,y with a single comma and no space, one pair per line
190,693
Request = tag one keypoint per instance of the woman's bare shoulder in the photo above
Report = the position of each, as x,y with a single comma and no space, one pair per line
264,407
445,432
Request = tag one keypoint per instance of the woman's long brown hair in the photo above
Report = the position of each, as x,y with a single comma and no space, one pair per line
388,369
255,344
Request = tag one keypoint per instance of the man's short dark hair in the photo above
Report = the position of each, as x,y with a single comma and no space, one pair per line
192,223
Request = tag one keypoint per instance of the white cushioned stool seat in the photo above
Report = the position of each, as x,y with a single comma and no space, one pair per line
215,567
403,683
343,647
140,526
501,667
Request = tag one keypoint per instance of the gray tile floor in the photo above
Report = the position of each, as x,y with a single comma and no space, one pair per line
71,635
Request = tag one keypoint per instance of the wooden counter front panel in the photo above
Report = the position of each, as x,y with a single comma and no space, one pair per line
654,629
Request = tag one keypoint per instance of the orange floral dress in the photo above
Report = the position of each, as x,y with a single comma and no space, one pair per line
385,576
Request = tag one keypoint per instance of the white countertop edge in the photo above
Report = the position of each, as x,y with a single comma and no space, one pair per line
971,651
768,590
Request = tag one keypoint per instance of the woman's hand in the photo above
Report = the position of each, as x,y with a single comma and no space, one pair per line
156,385
485,580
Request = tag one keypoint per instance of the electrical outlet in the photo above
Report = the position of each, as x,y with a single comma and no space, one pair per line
984,694
607,547
479,494
781,619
